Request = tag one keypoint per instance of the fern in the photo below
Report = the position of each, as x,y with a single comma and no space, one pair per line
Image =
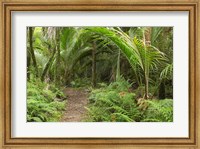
41,106
159,110
121,117
113,103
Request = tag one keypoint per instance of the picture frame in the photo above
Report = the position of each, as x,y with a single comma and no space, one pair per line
7,7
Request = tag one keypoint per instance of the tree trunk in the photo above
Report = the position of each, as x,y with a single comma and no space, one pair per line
28,65
48,65
31,30
94,65
57,69
147,42
67,77
118,67
162,90
148,36
28,57
146,96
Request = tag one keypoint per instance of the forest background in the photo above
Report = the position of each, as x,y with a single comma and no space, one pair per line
100,74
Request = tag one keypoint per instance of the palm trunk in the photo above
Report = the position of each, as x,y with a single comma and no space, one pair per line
147,42
31,30
147,35
146,96
94,65
118,67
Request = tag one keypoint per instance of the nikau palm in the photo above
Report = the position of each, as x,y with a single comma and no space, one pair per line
137,52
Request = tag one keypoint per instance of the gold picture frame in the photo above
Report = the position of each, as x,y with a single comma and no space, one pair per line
192,6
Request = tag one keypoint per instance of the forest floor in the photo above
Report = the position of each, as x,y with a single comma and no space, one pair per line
76,102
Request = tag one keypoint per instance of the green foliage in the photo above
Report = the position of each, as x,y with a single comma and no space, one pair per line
167,72
143,58
81,82
56,91
63,55
113,104
41,106
159,111
74,47
120,85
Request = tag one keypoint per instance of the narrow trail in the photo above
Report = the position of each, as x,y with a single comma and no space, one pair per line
76,101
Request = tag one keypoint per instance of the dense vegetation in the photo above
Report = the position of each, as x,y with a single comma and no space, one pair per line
126,71
117,104
41,102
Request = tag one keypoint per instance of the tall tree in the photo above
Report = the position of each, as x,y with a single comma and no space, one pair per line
28,65
28,57
94,82
147,42
118,67
31,31
57,68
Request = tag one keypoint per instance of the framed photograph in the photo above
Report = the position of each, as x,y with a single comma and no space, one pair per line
99,74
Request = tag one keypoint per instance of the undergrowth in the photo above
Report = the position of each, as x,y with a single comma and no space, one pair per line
116,103
41,103
113,103
80,82
159,111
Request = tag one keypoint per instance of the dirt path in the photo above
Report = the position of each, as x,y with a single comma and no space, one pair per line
76,101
